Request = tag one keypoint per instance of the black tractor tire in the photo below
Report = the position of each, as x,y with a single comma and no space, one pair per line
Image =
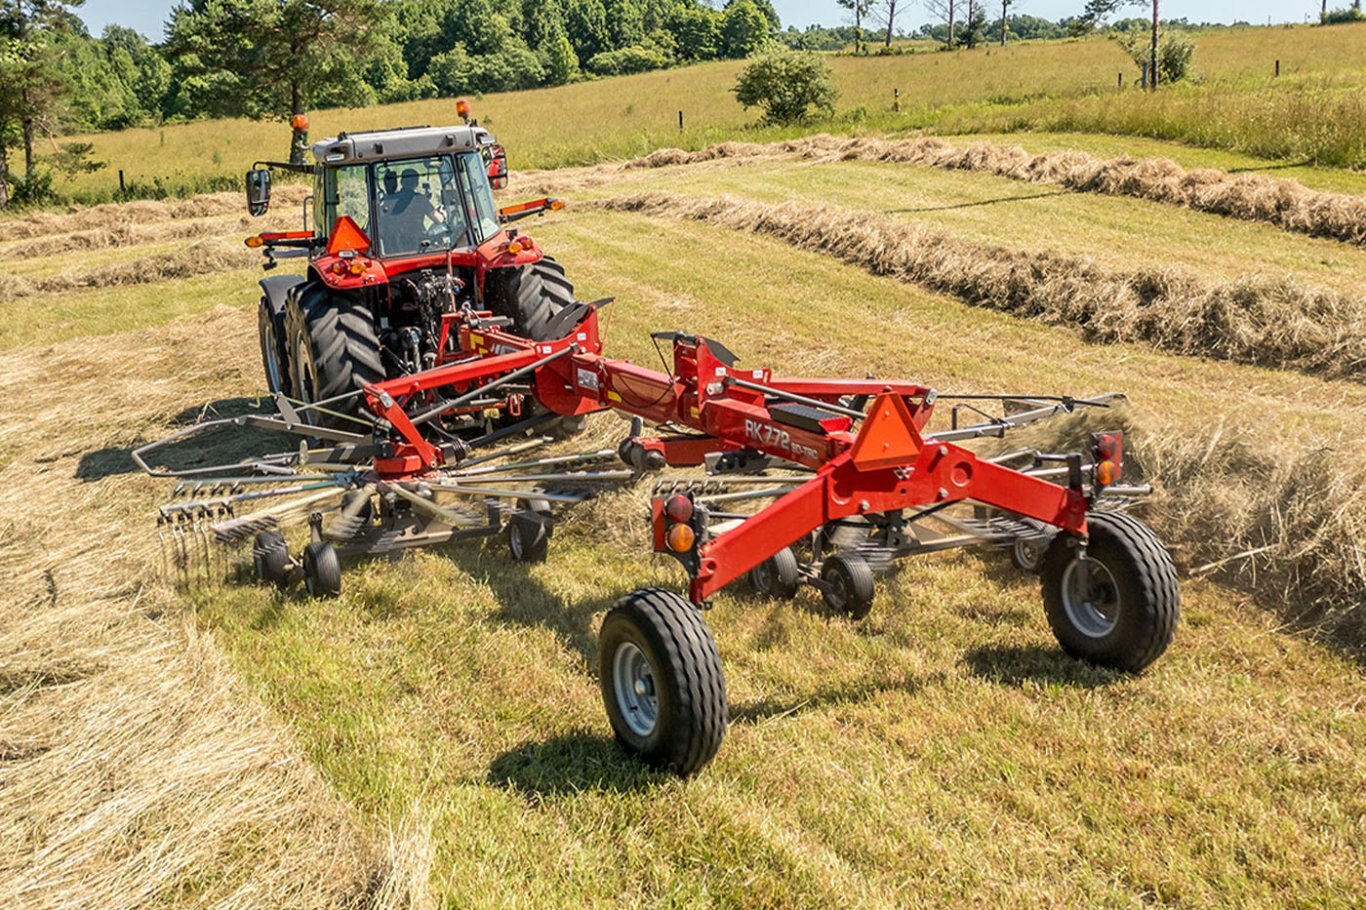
270,327
322,570
1124,614
661,680
530,295
778,576
333,349
849,585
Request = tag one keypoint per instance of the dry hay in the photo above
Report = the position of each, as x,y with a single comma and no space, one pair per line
1287,204
112,215
136,769
201,257
1265,322
1279,517
122,235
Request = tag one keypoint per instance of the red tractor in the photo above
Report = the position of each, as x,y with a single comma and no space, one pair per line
404,231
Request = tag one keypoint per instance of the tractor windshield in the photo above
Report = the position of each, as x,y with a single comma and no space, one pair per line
419,207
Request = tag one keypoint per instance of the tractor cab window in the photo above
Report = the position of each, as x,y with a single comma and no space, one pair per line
418,207
345,193
480,197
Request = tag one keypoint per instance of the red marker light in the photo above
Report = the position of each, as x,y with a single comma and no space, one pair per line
678,508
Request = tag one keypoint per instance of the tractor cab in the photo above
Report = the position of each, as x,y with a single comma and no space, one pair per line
413,192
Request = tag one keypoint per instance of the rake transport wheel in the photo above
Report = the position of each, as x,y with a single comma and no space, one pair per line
661,680
778,576
848,584
322,570
332,349
1120,608
270,558
531,296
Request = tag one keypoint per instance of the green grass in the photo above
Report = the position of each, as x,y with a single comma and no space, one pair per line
943,752
1312,111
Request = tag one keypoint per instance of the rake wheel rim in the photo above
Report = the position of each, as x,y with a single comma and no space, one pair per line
633,683
1091,605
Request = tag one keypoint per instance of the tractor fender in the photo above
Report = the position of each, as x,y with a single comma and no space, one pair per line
275,291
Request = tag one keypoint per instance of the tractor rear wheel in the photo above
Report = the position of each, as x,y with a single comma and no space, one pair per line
270,326
332,349
1118,607
531,296
661,680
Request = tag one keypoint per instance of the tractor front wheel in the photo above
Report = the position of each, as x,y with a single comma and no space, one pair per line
1118,606
661,680
333,350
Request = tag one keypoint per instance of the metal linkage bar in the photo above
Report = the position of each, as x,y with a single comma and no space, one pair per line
492,384
794,397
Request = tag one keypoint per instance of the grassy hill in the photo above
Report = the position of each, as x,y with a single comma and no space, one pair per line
1313,112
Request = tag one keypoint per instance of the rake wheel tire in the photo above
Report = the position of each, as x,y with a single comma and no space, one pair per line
322,570
529,530
270,327
333,349
270,558
1027,553
778,576
849,585
530,295
661,680
1123,612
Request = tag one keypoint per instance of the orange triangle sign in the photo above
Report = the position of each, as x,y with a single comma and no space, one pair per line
888,438
347,235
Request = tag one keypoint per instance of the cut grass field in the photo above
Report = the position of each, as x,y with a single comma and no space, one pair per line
943,752
1313,112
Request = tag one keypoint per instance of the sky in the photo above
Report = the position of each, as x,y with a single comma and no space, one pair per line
148,16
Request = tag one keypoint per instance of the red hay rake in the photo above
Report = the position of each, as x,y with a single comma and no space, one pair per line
805,482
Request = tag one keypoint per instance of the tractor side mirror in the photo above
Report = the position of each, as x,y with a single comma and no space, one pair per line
498,166
258,191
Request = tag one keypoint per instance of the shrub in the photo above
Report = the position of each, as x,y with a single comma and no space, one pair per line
1175,51
786,86
1342,16
627,60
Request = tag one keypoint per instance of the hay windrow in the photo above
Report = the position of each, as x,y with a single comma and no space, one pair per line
201,257
114,215
123,235
1284,203
1264,322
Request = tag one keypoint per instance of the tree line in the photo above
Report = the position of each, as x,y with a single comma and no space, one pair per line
267,58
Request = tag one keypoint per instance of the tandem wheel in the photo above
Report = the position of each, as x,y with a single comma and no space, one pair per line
529,529
322,570
778,576
270,559
847,584
661,680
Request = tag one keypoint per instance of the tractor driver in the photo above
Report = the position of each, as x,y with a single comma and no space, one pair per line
408,212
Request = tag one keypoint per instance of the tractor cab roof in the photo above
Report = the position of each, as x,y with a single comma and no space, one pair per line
407,142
